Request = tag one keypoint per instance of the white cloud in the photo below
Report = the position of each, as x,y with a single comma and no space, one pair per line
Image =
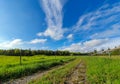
11,44
54,17
104,22
54,32
40,34
19,43
94,42
75,47
70,36
104,17
113,31
87,45
35,41
111,43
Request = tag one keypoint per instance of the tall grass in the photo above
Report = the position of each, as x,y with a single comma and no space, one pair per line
10,67
103,70
57,76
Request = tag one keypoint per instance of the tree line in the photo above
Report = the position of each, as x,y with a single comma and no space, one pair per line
29,52
114,51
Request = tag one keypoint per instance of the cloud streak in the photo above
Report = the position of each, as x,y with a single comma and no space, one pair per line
11,44
70,37
54,17
35,41
19,43
114,31
102,23
86,46
90,45
103,18
101,27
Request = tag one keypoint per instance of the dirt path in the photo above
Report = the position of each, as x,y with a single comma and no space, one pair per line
27,79
78,76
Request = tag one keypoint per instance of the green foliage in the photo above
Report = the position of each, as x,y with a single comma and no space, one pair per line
29,52
10,67
115,52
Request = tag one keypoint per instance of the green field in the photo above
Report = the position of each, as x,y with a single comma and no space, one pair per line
103,70
10,67
58,75
100,70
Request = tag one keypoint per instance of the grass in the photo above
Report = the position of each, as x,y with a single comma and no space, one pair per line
100,70
103,70
57,76
10,67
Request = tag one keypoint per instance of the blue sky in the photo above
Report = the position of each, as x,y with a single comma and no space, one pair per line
74,25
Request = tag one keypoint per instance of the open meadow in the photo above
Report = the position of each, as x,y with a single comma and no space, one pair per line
102,70
97,69
10,67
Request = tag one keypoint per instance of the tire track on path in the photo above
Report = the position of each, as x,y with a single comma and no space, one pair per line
78,76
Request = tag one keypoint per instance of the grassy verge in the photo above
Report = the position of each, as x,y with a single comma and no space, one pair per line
57,76
11,69
102,70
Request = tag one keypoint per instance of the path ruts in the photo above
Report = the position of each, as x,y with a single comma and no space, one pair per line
27,79
78,75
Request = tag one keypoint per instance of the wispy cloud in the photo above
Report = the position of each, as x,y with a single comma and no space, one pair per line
94,42
54,18
101,26
86,46
19,43
90,45
114,31
70,37
35,41
103,18
11,44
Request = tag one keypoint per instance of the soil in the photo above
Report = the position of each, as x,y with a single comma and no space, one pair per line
27,79
78,76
